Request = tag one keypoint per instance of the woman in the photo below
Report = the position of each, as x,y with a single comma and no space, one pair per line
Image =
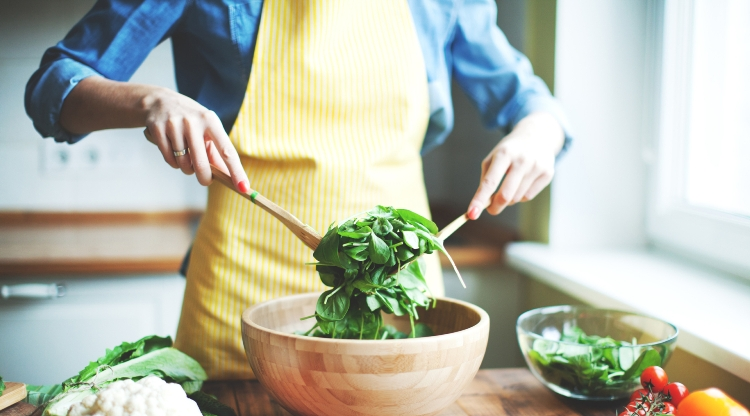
328,105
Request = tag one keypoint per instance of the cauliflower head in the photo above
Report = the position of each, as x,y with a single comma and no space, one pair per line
151,396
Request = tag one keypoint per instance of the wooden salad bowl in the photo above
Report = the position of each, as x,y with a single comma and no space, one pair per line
317,376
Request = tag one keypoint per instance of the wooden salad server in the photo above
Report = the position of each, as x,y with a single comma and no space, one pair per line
304,232
454,225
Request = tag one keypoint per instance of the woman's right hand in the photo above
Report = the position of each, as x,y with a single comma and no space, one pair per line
173,123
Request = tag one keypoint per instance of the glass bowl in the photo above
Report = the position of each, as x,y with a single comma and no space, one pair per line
572,349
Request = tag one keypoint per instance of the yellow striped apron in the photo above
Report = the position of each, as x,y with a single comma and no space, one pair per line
332,124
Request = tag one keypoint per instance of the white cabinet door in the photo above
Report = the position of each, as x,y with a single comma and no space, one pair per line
45,341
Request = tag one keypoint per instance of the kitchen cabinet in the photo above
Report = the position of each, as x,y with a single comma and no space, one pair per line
117,273
45,341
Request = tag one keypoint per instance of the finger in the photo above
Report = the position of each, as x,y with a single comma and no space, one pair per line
524,186
227,152
196,144
155,134
539,184
491,179
174,131
214,157
504,195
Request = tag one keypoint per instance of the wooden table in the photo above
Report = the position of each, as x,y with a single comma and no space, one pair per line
498,392
501,392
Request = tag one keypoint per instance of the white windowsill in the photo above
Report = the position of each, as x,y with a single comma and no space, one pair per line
711,310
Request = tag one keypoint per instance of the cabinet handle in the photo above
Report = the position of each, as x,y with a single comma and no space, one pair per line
33,291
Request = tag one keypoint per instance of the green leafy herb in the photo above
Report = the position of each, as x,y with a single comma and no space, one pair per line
369,262
151,355
574,365
2,386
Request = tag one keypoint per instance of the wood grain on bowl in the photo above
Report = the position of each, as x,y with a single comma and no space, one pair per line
315,376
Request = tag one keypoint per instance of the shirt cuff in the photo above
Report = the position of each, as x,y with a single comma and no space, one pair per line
547,104
49,94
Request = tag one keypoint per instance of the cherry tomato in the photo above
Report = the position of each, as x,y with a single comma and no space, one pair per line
711,402
675,392
654,378
641,395
668,408
625,413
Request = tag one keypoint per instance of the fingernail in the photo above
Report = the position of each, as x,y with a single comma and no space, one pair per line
474,213
243,186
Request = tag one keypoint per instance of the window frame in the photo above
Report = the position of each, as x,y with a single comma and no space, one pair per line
716,239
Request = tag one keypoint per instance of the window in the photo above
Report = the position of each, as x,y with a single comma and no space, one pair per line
701,176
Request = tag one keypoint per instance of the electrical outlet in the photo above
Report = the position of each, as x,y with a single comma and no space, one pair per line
55,157
61,158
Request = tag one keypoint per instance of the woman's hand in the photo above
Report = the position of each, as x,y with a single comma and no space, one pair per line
188,135
191,137
523,161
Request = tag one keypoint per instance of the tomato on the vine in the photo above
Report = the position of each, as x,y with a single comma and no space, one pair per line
668,408
638,408
641,395
654,378
675,392
625,413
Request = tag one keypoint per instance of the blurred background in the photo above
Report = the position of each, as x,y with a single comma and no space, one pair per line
648,211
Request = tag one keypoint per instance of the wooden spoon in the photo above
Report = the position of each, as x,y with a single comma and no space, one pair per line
304,232
454,225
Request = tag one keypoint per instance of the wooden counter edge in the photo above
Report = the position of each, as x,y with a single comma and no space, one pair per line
89,267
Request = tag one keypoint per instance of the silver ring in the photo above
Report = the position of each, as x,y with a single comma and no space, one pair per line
182,152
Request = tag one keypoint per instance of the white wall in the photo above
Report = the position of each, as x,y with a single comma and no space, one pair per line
598,198
115,170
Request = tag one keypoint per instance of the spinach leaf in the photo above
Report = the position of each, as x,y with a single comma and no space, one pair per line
327,252
647,359
589,364
368,261
333,304
379,251
416,219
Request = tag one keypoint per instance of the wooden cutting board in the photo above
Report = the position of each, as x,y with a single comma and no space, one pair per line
14,393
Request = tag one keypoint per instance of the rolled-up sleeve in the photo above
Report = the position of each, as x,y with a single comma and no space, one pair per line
497,77
112,40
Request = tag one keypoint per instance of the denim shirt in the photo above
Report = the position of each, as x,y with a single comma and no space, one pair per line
213,43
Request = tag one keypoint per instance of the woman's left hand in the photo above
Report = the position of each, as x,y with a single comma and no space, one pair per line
523,161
